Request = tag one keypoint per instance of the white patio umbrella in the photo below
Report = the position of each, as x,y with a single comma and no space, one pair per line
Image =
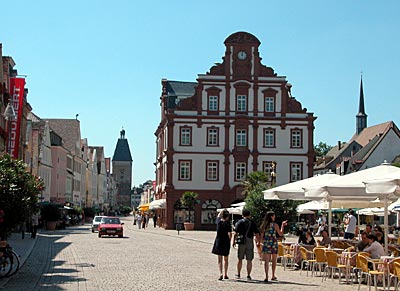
240,204
232,210
314,205
379,211
304,211
352,187
295,190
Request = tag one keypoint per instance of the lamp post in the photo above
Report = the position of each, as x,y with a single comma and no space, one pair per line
9,116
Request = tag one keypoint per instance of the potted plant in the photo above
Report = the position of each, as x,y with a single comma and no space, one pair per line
189,200
50,214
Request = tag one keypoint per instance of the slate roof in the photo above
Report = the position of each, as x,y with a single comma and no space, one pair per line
180,89
122,152
70,132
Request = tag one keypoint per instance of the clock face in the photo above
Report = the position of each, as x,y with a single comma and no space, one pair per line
242,55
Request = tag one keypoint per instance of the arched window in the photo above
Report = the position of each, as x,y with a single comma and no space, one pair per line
209,211
181,213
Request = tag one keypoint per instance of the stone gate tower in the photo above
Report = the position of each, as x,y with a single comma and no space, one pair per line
122,170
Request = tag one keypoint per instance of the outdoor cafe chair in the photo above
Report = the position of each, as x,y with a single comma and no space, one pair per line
396,266
285,256
305,255
392,273
368,274
333,265
320,259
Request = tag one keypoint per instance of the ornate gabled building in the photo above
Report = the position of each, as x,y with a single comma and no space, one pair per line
122,171
238,118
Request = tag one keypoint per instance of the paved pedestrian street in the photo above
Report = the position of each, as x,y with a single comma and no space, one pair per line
150,259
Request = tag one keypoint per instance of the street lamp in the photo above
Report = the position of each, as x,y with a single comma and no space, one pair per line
9,116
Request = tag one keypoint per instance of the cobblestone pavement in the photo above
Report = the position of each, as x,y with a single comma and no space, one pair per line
151,259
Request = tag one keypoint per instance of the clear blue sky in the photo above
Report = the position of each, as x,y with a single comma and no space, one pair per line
105,59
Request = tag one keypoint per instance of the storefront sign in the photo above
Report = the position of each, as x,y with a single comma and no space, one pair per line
17,97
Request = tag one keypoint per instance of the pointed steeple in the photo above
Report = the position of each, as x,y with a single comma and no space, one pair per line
122,151
361,117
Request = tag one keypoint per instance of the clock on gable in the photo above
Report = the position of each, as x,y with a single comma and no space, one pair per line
242,55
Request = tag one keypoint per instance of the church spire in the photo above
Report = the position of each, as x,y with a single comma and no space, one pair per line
361,117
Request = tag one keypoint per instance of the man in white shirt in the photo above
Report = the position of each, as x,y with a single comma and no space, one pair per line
351,223
375,249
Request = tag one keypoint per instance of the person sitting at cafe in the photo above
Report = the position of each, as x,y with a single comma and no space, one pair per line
364,242
326,240
302,236
379,238
377,229
375,248
368,229
309,239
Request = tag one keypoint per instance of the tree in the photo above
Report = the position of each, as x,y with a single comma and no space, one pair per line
254,184
189,199
18,193
322,149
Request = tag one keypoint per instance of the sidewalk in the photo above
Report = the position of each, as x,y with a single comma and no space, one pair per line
22,247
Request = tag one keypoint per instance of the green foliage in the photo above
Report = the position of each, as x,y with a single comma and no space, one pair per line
189,199
89,211
18,193
322,149
50,212
254,184
125,210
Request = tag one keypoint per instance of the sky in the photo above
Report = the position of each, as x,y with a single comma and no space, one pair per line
104,60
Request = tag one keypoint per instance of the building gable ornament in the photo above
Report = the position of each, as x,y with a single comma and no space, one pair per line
242,37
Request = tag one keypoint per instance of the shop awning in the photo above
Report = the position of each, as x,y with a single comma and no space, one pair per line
158,204
144,207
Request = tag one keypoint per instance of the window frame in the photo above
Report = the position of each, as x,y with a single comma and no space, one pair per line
296,143
300,170
188,166
241,101
189,135
267,105
273,131
240,136
208,143
211,101
208,162
240,166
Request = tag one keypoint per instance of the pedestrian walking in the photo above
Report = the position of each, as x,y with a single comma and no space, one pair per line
144,221
155,217
139,220
222,242
34,223
246,230
269,232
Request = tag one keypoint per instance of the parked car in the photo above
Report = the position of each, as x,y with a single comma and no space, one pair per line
111,226
95,222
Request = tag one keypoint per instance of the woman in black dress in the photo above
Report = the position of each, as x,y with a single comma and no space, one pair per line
222,242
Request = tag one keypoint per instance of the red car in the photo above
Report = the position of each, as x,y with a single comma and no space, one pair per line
111,226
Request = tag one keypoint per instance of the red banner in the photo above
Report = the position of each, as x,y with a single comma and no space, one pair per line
17,97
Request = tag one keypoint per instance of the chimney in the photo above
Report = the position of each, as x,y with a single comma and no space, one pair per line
339,144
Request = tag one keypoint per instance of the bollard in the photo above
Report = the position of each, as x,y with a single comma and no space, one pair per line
179,227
